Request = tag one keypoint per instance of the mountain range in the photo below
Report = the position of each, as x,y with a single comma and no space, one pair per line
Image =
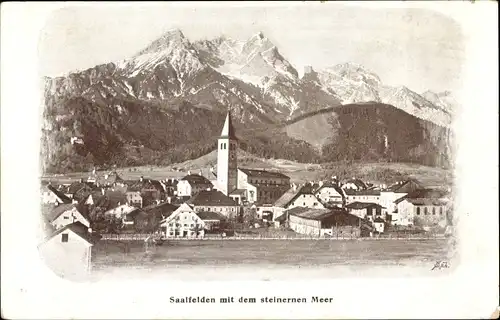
166,104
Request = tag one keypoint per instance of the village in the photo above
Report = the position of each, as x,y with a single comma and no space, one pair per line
235,203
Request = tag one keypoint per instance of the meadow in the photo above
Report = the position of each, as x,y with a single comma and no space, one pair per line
262,256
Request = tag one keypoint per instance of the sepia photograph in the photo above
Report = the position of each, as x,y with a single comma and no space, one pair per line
209,143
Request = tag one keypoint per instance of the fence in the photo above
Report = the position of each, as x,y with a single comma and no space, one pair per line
137,237
126,236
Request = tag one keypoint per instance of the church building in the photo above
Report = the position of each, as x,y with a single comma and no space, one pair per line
244,185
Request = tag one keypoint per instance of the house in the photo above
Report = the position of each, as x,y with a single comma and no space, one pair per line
395,192
191,184
63,214
110,179
238,196
213,220
379,225
148,218
304,197
120,212
183,223
52,196
319,222
331,194
262,187
214,201
80,190
68,251
150,190
427,208
169,186
108,199
365,210
363,195
134,198
354,184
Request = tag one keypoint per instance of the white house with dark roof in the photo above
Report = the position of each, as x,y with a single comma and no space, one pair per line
363,195
330,193
262,187
366,210
65,214
319,222
396,191
53,196
68,251
183,223
214,201
191,184
424,207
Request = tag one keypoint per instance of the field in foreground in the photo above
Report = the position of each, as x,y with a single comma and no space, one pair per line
178,257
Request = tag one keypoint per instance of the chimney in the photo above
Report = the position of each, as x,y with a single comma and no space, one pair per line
141,179
81,180
169,199
308,69
189,172
103,191
106,176
89,230
320,183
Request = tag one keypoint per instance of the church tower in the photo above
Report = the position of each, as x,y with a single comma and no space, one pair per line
227,163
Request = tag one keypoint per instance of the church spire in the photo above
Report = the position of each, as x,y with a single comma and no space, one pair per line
228,129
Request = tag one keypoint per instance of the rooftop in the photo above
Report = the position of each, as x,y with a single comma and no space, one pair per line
228,129
211,198
196,179
362,205
209,215
254,173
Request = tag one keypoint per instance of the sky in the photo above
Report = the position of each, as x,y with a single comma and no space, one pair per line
420,48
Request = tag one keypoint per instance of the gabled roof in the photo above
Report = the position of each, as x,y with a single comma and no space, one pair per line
77,186
162,210
61,196
208,215
81,230
228,129
405,186
367,192
211,198
286,198
254,173
333,185
108,178
291,195
358,183
312,214
362,205
424,196
196,179
54,212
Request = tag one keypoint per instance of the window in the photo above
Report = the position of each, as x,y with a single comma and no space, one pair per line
64,237
304,204
441,210
185,225
434,210
66,218
418,210
425,211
